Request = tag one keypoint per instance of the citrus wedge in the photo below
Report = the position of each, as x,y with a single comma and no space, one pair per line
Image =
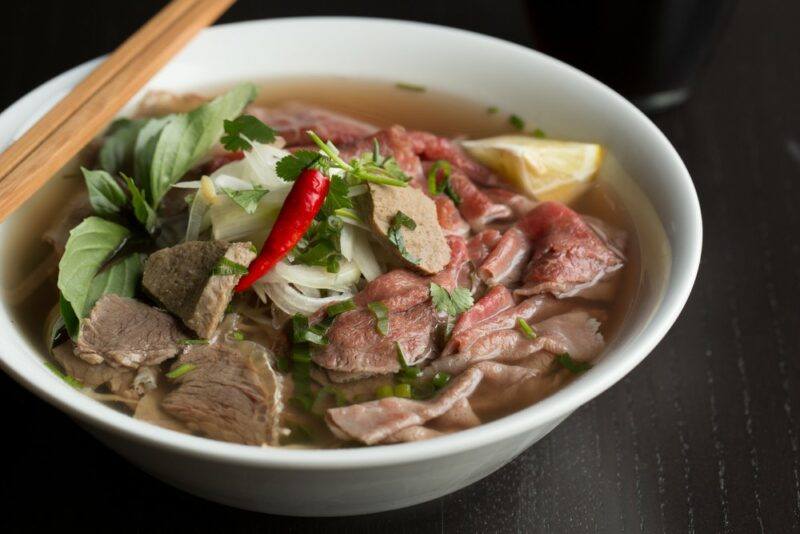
545,169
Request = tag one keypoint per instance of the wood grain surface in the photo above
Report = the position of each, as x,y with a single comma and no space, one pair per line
701,437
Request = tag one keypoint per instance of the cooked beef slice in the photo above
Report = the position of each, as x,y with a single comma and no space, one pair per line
481,244
119,380
374,421
450,219
504,264
355,345
476,208
182,279
519,204
431,147
293,119
567,254
575,333
123,332
465,402
231,393
425,243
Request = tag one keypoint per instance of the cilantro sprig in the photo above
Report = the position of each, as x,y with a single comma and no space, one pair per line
452,302
240,132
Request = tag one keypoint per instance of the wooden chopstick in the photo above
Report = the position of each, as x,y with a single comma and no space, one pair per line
80,116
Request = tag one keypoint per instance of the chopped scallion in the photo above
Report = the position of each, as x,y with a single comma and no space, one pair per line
440,379
340,307
403,391
573,366
381,313
384,391
410,87
529,332
301,353
238,335
180,370
516,122
538,132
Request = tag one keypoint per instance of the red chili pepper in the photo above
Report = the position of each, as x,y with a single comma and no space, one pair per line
301,205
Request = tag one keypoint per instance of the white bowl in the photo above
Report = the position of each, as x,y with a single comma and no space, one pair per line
356,481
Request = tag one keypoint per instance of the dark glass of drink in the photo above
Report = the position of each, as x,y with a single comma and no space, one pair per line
648,50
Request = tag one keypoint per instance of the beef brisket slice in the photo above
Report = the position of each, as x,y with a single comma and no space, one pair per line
123,332
230,394
182,279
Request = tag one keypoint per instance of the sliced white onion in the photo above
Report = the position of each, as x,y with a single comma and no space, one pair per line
291,301
364,257
314,276
346,242
356,190
231,182
231,223
259,164
308,291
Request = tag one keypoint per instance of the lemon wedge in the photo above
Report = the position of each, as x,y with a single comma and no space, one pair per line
545,169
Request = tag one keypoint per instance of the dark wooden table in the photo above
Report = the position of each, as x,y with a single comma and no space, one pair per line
703,436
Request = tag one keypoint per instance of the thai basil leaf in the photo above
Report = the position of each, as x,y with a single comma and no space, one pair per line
68,317
105,194
188,137
145,145
89,246
118,147
141,209
121,279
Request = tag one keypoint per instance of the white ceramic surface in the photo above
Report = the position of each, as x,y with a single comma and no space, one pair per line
339,482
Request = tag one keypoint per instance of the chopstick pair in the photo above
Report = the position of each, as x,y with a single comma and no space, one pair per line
80,116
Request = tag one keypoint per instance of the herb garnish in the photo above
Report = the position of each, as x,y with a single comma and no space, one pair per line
340,307
244,129
381,313
411,87
247,199
452,302
529,332
395,235
290,167
516,122
436,187
180,370
302,332
575,367
407,372
440,379
538,132
71,380
238,335
491,110
227,267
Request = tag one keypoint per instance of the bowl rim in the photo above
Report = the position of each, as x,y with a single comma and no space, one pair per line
549,410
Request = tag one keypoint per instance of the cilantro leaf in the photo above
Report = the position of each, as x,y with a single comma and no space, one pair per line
240,131
337,196
395,235
451,302
247,199
517,122
290,167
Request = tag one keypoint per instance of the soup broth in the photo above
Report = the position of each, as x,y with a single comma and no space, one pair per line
32,265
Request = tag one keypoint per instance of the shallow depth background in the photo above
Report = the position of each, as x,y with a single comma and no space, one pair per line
703,436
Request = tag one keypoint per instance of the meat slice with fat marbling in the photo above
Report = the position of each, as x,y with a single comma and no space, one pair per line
507,259
567,254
